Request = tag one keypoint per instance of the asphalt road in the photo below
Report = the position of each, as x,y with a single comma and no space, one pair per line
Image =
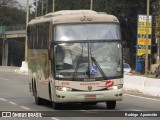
15,96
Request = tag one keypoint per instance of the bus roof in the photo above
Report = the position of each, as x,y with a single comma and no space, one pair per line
69,12
75,16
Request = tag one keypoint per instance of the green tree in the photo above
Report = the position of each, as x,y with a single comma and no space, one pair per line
157,14
61,5
11,13
125,10
9,3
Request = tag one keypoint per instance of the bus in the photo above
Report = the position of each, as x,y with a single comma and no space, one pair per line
75,56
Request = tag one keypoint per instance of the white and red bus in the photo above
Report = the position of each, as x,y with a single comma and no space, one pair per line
75,56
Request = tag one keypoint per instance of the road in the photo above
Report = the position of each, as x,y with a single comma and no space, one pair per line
15,96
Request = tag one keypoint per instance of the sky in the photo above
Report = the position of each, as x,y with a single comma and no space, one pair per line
24,2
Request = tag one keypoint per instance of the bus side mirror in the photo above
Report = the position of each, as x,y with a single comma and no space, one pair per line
50,55
51,51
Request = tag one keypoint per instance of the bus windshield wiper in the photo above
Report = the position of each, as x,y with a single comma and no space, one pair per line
95,62
100,69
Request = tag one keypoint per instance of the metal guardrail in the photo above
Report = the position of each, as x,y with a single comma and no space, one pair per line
12,28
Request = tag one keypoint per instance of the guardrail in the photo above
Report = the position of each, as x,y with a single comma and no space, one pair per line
150,86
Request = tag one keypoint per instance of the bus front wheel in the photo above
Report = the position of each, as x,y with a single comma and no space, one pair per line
111,104
38,100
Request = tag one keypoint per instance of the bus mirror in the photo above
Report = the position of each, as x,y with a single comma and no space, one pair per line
49,54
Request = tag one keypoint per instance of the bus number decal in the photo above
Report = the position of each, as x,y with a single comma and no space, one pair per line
64,83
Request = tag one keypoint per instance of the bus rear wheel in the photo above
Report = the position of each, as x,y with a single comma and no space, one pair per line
111,104
38,101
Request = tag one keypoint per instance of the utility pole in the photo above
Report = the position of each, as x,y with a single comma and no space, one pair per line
36,13
46,6
53,6
42,9
147,37
27,19
91,4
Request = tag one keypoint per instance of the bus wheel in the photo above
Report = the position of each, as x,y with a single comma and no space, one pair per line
38,100
111,104
56,106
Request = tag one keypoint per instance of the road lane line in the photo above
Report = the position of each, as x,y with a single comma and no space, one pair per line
134,110
25,107
12,103
142,97
3,99
53,118
83,110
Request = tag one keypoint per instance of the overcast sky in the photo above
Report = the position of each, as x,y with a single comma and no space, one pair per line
24,2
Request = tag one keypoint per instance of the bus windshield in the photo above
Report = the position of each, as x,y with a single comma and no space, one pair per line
89,60
65,32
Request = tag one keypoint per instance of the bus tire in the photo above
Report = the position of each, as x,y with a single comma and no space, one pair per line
111,104
38,100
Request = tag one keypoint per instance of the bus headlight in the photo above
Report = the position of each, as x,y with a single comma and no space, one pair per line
66,89
115,87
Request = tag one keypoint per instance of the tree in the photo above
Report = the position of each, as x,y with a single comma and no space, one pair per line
10,13
125,10
61,5
157,14
9,3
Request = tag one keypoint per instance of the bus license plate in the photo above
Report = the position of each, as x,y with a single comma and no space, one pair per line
90,97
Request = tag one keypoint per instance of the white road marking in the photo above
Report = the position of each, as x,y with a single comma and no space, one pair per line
6,79
3,99
13,103
82,110
134,110
53,118
25,107
142,97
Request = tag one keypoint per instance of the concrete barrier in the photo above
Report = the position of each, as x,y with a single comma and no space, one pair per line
141,84
134,82
24,67
152,87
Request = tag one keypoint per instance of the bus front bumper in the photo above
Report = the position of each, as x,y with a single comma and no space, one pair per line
93,96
